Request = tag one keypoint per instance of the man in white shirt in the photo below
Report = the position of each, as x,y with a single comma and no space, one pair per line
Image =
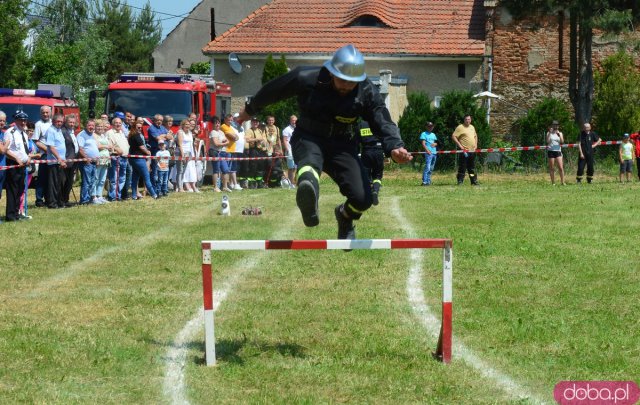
15,143
287,133
43,170
117,172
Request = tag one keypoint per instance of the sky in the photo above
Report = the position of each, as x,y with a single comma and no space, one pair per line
163,7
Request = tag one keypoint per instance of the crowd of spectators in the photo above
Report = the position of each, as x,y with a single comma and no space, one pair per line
119,159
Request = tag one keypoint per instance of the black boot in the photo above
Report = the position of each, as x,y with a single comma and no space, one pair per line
307,200
346,230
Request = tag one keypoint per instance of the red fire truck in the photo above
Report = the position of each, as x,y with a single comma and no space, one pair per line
178,95
58,97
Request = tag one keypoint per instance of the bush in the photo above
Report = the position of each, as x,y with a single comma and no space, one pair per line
615,108
533,127
412,124
284,109
453,107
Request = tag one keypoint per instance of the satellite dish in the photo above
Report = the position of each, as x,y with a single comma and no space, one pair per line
234,63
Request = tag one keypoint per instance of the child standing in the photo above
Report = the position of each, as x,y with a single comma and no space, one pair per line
626,158
163,156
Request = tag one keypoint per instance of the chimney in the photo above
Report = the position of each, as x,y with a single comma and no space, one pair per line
213,23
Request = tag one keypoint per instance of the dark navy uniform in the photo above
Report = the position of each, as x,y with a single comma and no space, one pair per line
372,156
326,134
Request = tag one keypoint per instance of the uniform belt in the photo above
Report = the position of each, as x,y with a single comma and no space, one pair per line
324,129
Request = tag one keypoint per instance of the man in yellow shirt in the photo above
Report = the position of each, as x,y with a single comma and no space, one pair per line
466,138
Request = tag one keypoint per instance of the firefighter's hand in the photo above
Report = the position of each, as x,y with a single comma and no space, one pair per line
400,155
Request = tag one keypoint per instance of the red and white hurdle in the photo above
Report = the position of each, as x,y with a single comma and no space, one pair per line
443,350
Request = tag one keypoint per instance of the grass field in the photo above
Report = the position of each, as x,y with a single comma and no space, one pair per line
103,304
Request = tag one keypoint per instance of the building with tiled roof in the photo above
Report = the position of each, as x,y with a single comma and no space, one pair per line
429,45
208,19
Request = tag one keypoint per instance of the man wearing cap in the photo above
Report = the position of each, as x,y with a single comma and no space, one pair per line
17,154
625,153
429,142
331,100
256,141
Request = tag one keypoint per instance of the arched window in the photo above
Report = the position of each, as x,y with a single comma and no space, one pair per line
368,20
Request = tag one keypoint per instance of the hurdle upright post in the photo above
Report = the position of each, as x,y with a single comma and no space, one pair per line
207,290
443,350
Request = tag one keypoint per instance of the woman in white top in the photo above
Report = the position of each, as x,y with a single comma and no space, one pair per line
554,152
185,144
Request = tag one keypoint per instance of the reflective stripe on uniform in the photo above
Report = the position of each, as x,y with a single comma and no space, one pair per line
305,169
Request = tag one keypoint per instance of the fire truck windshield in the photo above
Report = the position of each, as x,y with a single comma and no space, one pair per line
32,110
147,103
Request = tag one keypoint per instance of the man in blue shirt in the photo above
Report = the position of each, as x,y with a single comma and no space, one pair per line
429,142
155,133
88,149
56,153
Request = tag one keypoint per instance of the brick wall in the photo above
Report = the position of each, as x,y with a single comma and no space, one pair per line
530,62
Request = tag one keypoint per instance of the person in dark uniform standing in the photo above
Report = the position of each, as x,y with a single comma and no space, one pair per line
17,154
331,100
372,156
71,152
589,140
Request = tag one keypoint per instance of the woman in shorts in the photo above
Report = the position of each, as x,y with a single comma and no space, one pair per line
217,149
554,152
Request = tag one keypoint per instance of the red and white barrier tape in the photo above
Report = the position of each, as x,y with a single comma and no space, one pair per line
185,159
514,148
228,159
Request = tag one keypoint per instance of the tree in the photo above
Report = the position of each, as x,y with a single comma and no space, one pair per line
412,122
618,96
67,18
273,69
132,38
533,127
202,68
453,107
284,109
612,16
13,32
146,34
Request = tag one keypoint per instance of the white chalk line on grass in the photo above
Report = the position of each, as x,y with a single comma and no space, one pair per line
431,323
174,386
79,266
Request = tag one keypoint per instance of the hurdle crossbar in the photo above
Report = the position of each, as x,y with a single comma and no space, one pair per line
443,350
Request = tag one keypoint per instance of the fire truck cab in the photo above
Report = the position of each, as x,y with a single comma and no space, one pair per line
58,97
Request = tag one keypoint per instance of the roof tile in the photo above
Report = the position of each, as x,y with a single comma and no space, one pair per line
412,27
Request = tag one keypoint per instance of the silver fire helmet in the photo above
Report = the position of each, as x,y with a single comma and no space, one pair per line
347,64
